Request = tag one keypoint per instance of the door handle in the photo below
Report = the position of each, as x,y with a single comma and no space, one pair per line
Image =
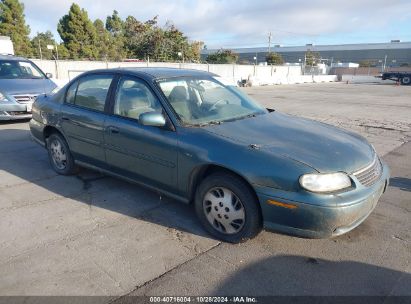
113,130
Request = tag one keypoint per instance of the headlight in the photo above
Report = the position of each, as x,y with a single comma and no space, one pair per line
328,182
3,97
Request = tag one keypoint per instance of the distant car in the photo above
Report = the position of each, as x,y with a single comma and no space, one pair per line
21,81
187,135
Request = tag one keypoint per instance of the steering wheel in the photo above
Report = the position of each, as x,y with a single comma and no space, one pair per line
214,105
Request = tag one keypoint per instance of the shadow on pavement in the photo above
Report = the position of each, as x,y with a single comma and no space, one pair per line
402,183
288,275
23,159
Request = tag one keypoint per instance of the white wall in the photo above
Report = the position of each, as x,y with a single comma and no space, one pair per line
65,70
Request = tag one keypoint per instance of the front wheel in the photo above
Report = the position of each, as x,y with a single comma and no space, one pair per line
227,208
60,156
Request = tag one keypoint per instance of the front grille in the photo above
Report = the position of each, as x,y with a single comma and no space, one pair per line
369,175
25,99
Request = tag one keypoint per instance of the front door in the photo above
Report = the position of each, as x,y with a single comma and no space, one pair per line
144,153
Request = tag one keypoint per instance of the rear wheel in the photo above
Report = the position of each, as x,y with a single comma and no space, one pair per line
60,156
406,80
227,208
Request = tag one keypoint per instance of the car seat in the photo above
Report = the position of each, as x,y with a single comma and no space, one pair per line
133,102
178,99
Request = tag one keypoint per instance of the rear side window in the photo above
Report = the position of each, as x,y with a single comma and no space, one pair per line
92,92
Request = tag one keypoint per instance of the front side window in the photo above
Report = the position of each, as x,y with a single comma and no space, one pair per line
134,98
13,69
92,91
71,93
199,101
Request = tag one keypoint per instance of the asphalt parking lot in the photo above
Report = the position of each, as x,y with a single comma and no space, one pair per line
95,235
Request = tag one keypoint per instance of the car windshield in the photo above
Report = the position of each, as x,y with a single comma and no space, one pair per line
13,69
202,101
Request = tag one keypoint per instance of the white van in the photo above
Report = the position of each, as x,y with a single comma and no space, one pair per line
6,46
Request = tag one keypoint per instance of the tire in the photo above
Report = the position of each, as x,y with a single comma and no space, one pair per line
406,80
220,213
60,156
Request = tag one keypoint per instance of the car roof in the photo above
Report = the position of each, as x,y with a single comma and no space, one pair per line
12,58
156,73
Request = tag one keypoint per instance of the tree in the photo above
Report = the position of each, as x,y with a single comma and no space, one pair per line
114,24
223,56
312,58
133,36
103,42
366,63
149,40
13,24
274,59
78,33
40,41
115,28
63,51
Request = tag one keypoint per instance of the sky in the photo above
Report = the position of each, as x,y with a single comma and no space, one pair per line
241,23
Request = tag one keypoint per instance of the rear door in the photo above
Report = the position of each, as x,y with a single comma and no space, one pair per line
83,116
144,153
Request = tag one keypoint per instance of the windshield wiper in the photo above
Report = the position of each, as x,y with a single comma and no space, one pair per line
212,122
242,117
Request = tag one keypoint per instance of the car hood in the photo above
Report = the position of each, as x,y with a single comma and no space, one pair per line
26,86
320,146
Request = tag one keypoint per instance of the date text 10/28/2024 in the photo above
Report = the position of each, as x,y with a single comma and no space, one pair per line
204,299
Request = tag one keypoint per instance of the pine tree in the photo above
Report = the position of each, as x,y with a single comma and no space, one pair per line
115,27
104,43
78,33
274,59
13,24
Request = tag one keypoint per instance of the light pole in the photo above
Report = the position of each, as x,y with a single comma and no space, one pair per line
57,50
52,47
269,42
41,54
181,55
385,62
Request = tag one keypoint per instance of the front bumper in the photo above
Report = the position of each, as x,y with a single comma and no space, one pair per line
312,215
14,111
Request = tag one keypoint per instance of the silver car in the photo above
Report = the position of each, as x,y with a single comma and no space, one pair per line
21,81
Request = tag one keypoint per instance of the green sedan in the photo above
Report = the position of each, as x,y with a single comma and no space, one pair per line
188,135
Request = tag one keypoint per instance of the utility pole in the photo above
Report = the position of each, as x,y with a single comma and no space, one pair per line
41,54
385,63
57,51
269,42
305,62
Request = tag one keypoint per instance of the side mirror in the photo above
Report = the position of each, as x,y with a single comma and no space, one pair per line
49,75
154,119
